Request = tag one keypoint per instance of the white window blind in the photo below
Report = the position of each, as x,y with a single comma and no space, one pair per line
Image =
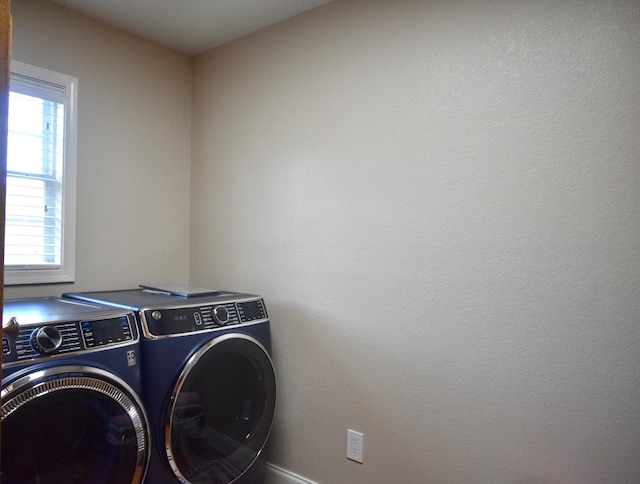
40,200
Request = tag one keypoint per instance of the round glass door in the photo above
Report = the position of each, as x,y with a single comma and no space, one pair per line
221,410
75,425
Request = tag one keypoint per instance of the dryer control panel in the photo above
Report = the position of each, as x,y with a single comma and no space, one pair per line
64,338
188,319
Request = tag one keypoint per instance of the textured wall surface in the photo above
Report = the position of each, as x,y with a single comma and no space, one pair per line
134,147
440,202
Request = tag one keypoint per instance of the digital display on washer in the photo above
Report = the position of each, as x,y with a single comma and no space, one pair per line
106,331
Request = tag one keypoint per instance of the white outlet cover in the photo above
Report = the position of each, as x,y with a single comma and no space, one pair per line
354,445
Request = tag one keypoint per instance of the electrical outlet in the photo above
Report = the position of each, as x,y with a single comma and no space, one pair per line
354,445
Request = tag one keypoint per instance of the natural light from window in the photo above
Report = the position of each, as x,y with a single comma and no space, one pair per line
34,168
41,165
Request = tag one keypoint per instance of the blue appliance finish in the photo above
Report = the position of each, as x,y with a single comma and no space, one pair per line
71,405
208,383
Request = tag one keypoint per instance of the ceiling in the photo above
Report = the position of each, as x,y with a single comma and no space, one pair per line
190,26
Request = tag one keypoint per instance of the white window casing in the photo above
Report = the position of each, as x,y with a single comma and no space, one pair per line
41,200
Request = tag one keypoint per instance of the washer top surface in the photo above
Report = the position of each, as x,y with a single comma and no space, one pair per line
137,299
41,310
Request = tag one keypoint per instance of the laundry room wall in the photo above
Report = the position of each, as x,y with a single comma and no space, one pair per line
134,154
440,202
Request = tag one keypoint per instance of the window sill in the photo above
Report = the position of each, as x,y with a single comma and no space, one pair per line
37,276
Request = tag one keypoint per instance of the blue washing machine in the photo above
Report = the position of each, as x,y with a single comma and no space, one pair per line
209,384
71,405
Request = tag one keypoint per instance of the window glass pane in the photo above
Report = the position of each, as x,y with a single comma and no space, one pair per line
24,146
25,221
33,223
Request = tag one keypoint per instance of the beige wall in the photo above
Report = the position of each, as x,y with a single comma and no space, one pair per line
134,153
440,202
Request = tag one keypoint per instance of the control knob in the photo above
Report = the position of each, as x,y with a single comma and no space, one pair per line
220,315
46,340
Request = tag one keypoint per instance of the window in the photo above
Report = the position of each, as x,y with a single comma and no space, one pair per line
41,172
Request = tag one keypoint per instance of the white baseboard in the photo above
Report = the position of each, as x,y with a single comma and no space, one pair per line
278,475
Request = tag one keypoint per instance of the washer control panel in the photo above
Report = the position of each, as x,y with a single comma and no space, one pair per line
189,319
68,337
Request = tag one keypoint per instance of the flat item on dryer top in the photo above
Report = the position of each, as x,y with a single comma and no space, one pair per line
182,290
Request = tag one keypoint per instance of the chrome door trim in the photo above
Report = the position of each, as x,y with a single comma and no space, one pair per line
40,383
191,363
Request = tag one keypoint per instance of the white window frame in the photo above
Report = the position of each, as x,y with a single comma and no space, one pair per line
19,275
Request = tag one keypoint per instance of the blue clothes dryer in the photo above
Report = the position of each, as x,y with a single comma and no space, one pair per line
71,409
209,384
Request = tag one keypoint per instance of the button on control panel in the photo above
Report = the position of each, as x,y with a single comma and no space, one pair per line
197,318
6,347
